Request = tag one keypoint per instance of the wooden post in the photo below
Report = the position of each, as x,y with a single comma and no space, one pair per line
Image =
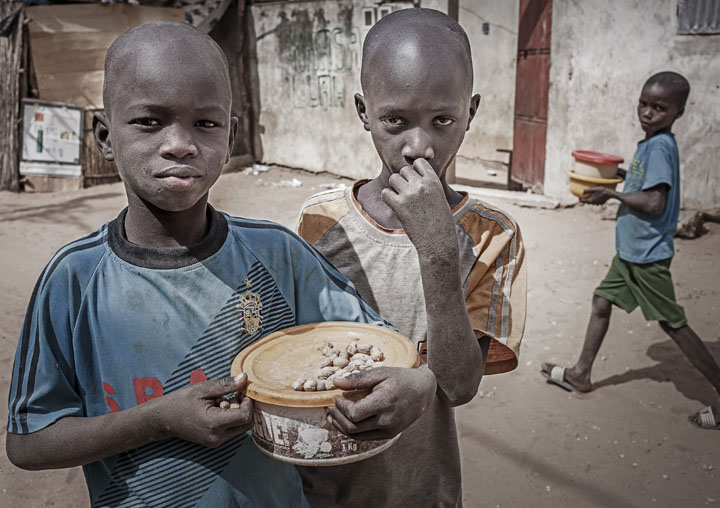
10,51
454,9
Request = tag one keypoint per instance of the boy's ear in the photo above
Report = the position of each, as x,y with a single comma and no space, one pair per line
680,113
231,140
361,109
474,105
101,131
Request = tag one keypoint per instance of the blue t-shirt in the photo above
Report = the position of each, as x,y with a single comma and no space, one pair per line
111,325
642,237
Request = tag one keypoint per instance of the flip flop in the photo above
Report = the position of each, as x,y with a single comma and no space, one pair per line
557,377
704,419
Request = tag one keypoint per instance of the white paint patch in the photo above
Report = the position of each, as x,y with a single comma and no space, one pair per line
311,440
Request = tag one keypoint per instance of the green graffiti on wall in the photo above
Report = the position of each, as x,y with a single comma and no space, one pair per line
319,62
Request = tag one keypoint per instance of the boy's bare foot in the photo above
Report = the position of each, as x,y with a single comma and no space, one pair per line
579,382
708,417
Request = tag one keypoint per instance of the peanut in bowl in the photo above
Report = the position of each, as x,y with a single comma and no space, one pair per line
291,425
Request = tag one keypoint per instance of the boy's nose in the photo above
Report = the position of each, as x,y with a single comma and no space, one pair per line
178,144
417,145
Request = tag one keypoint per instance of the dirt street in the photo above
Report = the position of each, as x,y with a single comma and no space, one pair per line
524,443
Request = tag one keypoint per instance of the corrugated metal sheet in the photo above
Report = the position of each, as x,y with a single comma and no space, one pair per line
698,17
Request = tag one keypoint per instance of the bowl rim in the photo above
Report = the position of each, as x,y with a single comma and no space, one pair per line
291,398
590,179
597,157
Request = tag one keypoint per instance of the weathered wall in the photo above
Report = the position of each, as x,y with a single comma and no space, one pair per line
602,52
308,58
309,69
494,71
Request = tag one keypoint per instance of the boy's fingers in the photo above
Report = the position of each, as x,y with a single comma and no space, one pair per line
350,426
368,429
397,182
408,173
235,417
371,405
389,196
423,167
366,379
224,386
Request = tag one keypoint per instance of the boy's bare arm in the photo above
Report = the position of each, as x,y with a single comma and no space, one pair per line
651,201
189,413
455,355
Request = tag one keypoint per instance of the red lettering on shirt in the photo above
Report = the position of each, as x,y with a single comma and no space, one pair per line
143,384
197,376
112,404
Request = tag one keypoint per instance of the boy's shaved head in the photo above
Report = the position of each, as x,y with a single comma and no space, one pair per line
417,81
168,123
407,34
163,43
675,83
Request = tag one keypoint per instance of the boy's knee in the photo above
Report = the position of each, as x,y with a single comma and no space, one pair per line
602,307
672,332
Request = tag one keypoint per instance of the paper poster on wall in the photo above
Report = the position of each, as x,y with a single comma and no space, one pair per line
52,139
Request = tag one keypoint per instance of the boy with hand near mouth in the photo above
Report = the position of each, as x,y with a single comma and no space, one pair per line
447,270
131,330
646,223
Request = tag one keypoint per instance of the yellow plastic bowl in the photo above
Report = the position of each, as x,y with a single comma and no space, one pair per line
578,183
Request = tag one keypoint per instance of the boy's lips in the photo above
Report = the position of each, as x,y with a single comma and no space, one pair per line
178,172
179,176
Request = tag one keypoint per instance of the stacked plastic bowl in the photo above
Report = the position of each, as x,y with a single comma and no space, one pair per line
593,169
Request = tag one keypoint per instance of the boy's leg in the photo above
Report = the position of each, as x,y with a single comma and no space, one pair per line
699,355
579,374
656,297
613,290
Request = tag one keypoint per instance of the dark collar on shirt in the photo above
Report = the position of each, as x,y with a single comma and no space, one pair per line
167,258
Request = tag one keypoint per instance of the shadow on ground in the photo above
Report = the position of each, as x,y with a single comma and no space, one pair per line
52,212
673,367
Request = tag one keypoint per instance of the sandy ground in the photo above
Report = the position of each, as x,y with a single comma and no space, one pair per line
524,443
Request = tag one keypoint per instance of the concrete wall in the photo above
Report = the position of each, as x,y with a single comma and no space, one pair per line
308,56
602,53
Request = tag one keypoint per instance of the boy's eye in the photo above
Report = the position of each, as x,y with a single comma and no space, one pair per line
443,121
206,123
392,120
145,121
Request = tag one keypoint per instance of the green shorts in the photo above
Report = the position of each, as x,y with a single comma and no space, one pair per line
648,285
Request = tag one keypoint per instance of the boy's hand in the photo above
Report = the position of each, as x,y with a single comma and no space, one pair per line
398,397
598,195
417,198
622,173
192,414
